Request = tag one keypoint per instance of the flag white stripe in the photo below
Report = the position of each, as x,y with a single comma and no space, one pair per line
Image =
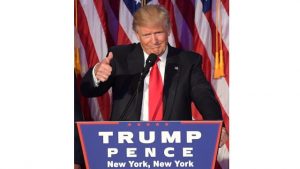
83,61
171,39
125,19
222,91
96,29
95,111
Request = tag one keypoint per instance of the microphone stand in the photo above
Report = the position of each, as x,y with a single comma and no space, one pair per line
149,63
125,114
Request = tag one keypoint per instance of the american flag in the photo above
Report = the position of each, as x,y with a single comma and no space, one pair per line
198,25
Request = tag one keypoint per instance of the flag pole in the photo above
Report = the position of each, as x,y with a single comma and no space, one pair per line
76,47
221,46
217,65
219,61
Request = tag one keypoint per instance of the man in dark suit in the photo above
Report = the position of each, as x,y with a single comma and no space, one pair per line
181,74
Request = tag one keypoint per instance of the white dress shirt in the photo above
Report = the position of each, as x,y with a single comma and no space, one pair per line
161,66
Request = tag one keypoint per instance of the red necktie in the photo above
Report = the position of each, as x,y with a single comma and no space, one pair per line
155,94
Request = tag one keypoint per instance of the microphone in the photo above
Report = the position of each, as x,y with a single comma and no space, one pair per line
149,63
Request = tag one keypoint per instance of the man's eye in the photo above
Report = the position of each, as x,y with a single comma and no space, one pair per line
146,35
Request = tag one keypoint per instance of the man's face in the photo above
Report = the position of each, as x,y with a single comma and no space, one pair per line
154,39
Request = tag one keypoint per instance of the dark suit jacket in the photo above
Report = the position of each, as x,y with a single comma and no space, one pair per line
184,82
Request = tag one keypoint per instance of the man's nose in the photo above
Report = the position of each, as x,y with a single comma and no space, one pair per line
154,38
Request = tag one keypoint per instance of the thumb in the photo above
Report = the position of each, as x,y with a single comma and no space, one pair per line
108,58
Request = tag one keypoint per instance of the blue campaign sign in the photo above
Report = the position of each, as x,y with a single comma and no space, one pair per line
152,145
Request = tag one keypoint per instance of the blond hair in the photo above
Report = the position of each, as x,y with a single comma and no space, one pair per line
151,15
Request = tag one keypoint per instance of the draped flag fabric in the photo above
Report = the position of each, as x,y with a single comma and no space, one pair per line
198,25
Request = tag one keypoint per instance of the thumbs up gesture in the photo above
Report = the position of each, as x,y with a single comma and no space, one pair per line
103,69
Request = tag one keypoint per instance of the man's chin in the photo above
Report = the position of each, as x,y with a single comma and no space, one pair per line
158,53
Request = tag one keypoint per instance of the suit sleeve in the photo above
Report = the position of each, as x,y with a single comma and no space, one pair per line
202,93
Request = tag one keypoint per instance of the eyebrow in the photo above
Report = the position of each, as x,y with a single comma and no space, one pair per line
146,34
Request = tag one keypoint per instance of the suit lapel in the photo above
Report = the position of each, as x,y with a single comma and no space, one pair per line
170,82
135,65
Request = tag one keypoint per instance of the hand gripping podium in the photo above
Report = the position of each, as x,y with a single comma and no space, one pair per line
150,145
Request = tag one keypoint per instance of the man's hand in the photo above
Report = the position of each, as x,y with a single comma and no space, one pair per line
103,69
77,166
224,137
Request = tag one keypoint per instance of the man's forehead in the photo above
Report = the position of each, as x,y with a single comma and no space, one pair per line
151,28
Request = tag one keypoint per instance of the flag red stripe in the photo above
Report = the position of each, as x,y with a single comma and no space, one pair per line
217,165
187,10
212,26
226,62
85,108
169,6
200,48
104,106
103,18
112,21
122,37
85,37
115,6
226,5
